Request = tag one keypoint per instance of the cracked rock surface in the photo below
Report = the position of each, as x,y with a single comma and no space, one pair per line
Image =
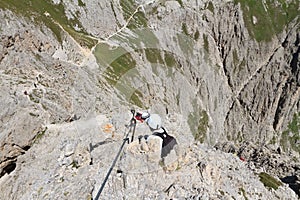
70,71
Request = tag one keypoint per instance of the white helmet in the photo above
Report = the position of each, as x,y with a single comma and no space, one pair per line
145,115
154,121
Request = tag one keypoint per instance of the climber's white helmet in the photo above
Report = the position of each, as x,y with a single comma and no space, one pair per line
145,115
154,121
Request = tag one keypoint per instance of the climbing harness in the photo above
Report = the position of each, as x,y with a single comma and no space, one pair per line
131,130
168,142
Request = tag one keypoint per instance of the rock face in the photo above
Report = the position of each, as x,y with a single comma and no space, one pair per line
223,74
267,159
74,164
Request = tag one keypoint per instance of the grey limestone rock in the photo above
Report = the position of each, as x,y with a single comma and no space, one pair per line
69,75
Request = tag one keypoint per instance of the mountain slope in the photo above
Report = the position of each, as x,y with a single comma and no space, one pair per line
229,69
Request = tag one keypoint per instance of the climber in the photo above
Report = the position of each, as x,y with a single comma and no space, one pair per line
154,123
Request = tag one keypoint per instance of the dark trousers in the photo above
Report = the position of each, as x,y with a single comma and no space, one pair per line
168,142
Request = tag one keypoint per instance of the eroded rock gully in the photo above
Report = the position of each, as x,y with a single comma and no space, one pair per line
200,65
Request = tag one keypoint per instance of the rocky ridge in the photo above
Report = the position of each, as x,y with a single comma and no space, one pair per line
74,167
208,66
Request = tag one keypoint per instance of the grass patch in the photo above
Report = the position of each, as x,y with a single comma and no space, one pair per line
138,20
117,61
89,197
40,191
35,10
273,140
161,163
184,29
210,7
238,65
75,164
243,192
34,99
119,67
235,57
113,9
130,93
269,181
196,35
222,192
82,38
80,3
153,55
128,7
206,45
290,138
36,95
198,123
242,65
203,122
147,37
294,125
39,135
180,3
135,99
217,67
144,38
163,58
272,17
185,44
106,54
170,59
239,137
66,193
